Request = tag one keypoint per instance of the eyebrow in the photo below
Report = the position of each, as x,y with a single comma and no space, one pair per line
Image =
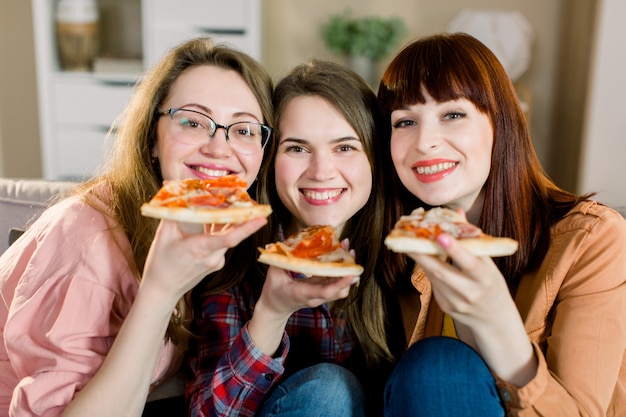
333,141
209,112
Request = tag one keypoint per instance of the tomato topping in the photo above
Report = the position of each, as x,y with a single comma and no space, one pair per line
179,202
207,200
319,243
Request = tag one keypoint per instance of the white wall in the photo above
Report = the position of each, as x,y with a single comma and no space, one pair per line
603,162
291,36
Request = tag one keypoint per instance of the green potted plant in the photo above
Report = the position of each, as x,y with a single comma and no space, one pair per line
364,41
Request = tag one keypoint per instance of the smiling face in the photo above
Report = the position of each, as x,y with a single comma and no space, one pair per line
322,173
442,151
224,96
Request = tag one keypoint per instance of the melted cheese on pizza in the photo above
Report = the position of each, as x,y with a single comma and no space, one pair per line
428,224
314,242
224,192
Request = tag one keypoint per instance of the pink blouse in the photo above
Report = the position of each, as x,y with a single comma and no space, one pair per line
66,286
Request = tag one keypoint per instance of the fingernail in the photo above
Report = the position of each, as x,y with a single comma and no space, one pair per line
355,280
444,240
297,275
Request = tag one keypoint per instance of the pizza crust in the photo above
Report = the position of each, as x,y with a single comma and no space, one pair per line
207,215
479,246
309,267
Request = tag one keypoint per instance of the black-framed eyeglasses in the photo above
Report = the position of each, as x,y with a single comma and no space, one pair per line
194,127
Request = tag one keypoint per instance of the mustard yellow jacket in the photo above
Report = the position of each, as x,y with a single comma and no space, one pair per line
574,311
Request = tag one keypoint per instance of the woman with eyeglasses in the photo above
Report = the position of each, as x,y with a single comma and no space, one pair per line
271,343
94,314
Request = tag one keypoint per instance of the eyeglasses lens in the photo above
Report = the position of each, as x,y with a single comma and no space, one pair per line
196,128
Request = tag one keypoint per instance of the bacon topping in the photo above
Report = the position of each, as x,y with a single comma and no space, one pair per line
431,223
223,192
314,242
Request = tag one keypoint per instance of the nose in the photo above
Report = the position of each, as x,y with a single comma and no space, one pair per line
217,145
321,167
427,137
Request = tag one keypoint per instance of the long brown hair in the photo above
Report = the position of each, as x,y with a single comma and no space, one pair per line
521,202
350,95
130,176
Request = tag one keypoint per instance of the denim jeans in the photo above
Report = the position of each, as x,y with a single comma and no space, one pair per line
322,390
441,377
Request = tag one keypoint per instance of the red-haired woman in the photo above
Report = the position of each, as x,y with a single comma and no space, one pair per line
538,333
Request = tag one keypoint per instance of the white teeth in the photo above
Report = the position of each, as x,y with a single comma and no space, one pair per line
213,172
433,169
326,195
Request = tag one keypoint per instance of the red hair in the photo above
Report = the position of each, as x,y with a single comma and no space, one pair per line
521,202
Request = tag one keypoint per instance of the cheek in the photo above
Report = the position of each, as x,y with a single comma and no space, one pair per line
251,165
399,149
284,172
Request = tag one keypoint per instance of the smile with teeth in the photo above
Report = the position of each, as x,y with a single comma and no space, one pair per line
323,195
212,172
433,169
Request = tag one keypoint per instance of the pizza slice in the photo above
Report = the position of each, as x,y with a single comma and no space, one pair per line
313,251
417,233
221,200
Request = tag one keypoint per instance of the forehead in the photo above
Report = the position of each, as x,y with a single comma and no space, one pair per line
213,87
313,116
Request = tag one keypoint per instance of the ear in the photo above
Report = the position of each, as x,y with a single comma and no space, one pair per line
154,153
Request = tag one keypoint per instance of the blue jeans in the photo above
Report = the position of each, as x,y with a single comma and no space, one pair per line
322,390
442,377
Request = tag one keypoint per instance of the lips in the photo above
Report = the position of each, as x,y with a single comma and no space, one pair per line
212,172
322,196
434,170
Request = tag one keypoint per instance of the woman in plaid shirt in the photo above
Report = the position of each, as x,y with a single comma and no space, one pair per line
272,344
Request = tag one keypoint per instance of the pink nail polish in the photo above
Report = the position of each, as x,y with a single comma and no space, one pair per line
444,240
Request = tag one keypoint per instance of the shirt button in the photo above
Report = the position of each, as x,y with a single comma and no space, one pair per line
269,377
505,394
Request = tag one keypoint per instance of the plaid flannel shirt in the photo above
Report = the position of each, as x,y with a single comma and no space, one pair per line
232,377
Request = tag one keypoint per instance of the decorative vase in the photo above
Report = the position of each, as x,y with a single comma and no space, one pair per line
77,33
365,67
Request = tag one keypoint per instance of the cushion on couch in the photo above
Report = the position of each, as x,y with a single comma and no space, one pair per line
23,200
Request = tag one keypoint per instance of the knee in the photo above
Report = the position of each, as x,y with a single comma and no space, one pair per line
433,371
439,360
335,380
331,386
319,390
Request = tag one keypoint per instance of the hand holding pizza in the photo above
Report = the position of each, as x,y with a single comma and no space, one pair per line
229,216
466,281
470,288
177,261
328,271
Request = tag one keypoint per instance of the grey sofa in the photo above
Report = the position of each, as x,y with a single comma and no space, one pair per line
23,200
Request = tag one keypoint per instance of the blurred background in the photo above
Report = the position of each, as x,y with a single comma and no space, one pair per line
571,81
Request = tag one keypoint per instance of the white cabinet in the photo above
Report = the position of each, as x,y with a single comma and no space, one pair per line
76,109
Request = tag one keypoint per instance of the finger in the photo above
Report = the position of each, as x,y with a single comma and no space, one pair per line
462,258
230,237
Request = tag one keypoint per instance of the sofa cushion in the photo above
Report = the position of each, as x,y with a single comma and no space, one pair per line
23,200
